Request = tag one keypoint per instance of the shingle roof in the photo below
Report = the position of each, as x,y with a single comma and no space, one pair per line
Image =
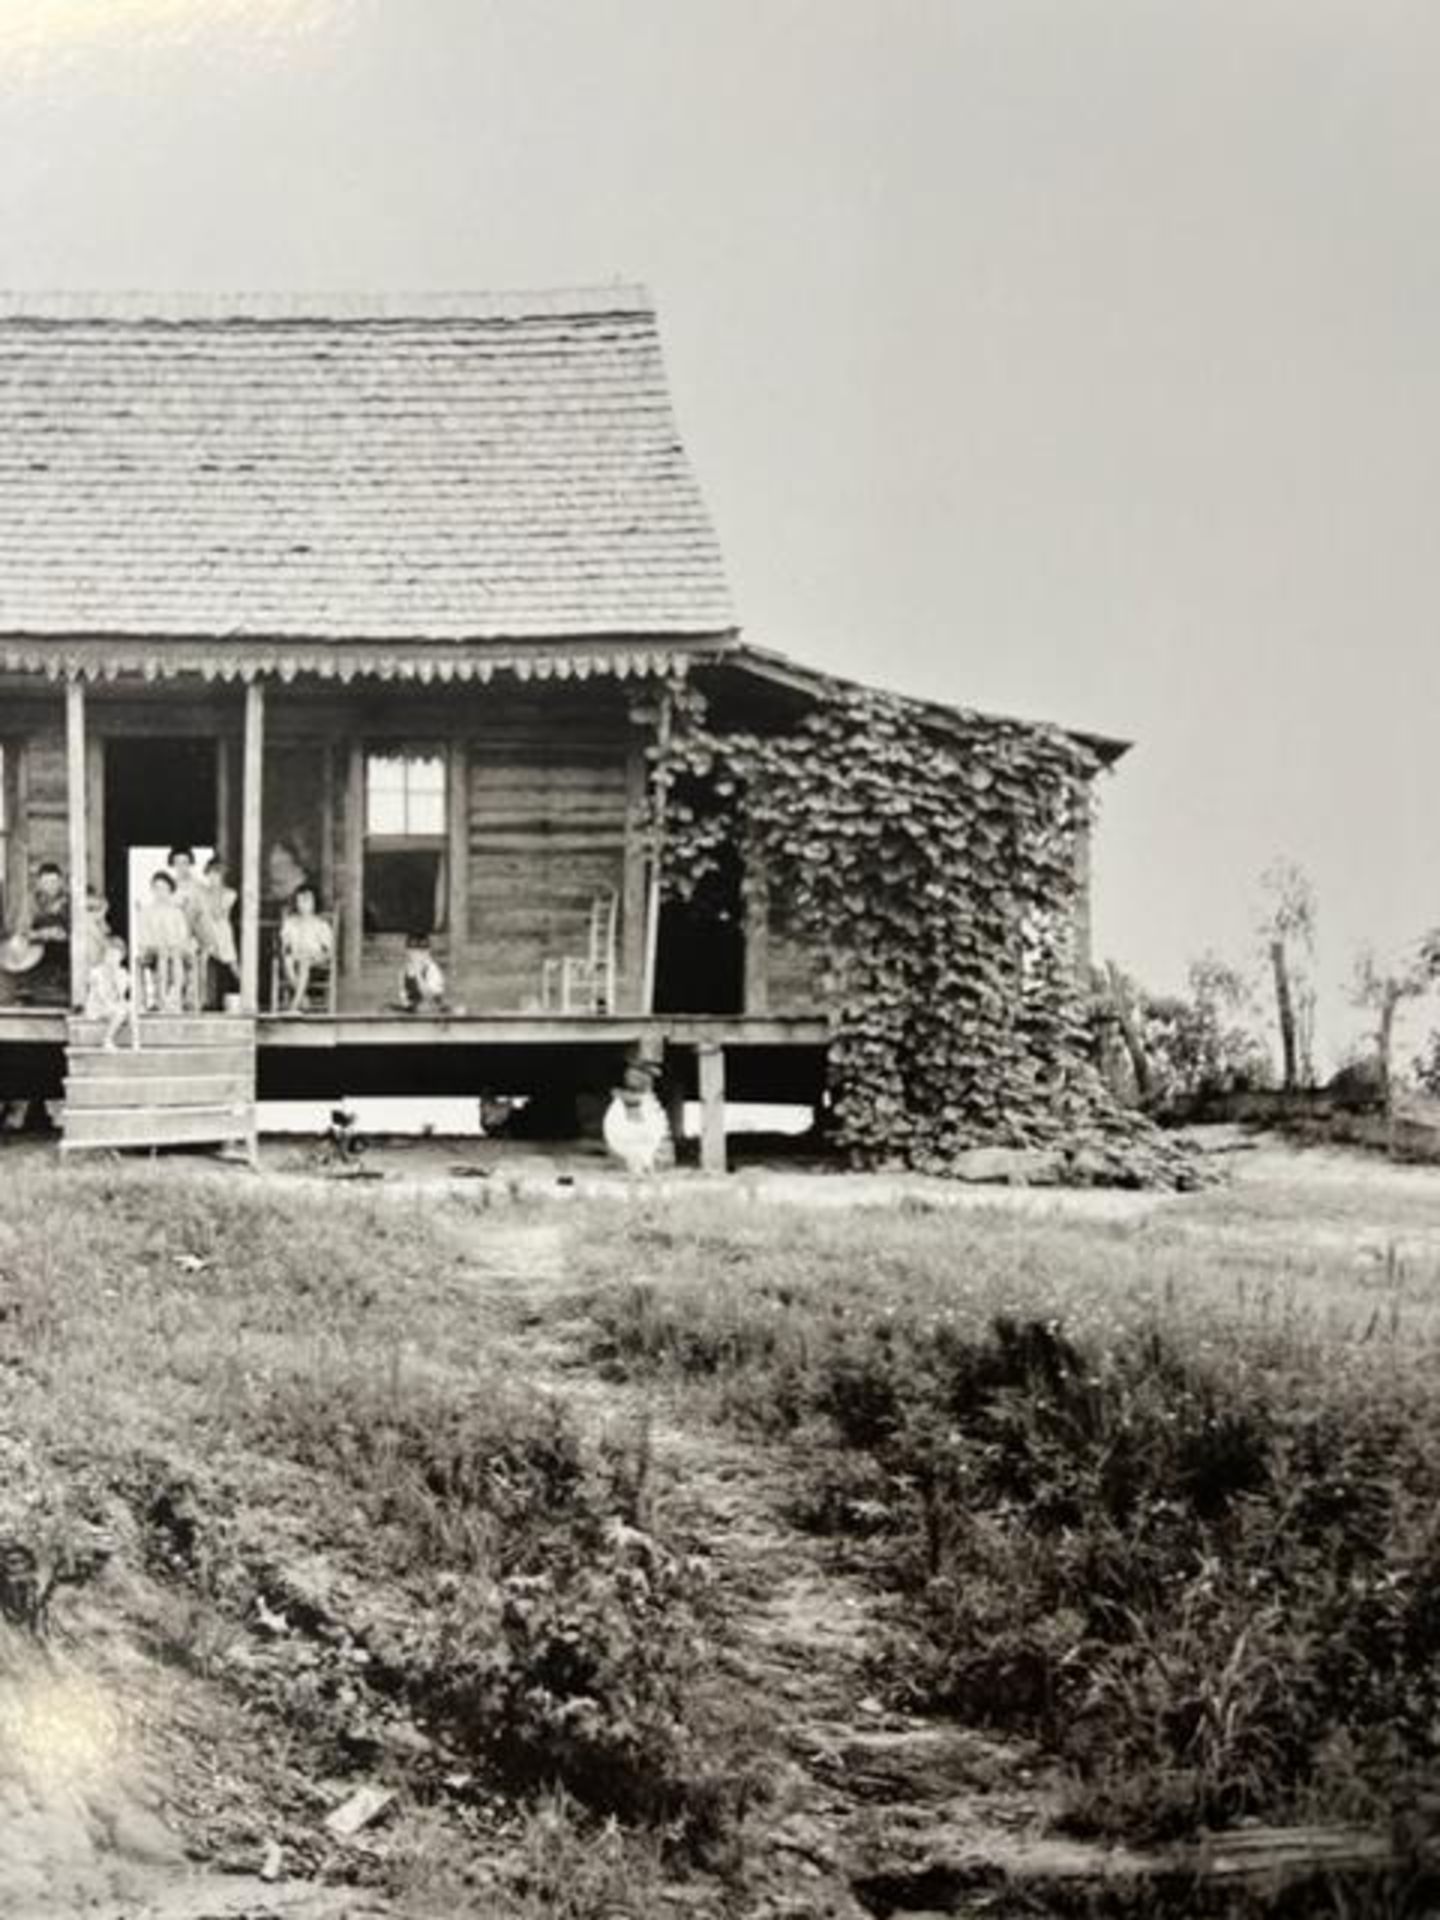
441,468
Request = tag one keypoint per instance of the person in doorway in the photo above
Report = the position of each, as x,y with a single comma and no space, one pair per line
187,885
49,929
108,995
166,947
307,945
215,934
285,871
422,979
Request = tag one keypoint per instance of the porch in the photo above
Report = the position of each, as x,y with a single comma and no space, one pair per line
490,819
506,824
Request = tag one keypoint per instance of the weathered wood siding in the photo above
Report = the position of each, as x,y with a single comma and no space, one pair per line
46,813
543,780
33,730
546,834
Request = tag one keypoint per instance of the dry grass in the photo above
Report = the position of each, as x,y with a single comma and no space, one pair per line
326,1500
1161,1493
322,1405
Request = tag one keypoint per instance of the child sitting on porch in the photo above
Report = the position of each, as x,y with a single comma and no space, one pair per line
422,980
107,995
162,934
306,943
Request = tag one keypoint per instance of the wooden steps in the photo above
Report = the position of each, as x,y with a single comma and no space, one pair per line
191,1082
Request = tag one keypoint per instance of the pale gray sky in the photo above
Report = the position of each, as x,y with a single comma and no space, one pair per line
1071,357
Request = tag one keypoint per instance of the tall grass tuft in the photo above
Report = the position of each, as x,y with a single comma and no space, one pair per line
1188,1539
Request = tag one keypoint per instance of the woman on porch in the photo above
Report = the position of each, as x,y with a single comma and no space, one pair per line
36,956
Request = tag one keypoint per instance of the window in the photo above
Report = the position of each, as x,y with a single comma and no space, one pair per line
405,822
405,796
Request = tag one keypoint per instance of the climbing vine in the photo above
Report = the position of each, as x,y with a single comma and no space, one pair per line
933,873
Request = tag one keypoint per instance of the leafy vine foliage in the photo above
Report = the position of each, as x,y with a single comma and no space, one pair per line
934,876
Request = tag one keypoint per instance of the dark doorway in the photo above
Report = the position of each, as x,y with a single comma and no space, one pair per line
700,964
158,793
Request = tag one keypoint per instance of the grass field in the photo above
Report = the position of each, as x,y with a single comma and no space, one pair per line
698,1554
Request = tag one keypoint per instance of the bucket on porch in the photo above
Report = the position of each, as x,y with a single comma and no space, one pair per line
231,1003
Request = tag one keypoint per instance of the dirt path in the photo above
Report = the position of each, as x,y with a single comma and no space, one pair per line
869,1811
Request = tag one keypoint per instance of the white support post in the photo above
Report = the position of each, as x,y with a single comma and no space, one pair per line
250,792
76,793
713,1158
657,854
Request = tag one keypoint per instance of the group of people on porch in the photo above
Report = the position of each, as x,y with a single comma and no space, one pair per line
185,956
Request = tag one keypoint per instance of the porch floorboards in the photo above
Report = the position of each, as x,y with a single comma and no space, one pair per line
48,1026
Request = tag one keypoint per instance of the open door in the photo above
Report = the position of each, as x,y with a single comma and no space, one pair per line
700,964
158,794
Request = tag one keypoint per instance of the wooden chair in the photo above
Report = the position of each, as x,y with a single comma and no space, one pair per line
585,982
322,986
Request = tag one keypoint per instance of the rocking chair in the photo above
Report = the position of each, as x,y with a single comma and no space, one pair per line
585,982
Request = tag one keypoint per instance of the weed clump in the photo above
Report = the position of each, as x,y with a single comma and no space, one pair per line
554,1642
1203,1574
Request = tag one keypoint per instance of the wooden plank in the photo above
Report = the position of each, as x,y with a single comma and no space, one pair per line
713,1157
163,1127
160,1063
632,890
75,795
40,1026
159,1030
95,807
457,858
656,861
755,897
188,714
116,1092
380,1028
252,775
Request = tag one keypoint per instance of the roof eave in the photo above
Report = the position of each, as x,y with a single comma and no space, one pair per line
768,663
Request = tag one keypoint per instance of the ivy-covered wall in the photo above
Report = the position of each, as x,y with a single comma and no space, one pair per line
932,876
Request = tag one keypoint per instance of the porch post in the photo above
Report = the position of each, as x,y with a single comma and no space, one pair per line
76,794
633,907
250,790
712,1107
657,856
352,923
755,890
457,858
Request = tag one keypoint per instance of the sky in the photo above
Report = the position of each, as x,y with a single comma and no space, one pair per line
1070,358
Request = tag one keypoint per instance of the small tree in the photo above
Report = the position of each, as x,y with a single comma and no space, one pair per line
1382,988
1183,1046
1287,928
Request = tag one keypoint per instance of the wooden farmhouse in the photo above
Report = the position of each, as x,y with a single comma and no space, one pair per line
382,601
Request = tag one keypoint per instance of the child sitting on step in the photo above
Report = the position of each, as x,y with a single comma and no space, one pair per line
107,995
